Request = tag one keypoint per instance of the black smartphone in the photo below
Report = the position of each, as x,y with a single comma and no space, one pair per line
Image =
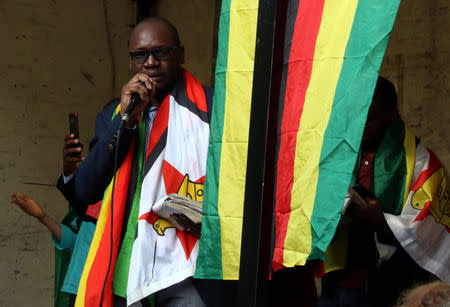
73,125
73,129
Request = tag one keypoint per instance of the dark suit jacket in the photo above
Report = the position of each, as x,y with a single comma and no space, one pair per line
96,171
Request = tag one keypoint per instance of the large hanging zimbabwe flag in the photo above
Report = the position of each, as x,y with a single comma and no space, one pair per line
332,53
335,49
223,203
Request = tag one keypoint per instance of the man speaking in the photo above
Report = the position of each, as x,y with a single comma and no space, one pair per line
161,149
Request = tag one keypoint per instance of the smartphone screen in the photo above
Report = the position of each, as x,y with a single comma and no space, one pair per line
73,125
73,129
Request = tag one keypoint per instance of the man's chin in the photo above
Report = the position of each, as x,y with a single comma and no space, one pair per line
161,93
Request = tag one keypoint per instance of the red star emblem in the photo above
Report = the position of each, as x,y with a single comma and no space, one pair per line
172,180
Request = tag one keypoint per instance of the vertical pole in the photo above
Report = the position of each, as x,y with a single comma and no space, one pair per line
272,143
143,9
247,293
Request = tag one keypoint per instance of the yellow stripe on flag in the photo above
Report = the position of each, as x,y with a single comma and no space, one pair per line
334,31
99,229
233,163
410,153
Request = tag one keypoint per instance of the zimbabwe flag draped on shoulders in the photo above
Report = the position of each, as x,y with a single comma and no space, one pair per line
332,53
412,187
148,253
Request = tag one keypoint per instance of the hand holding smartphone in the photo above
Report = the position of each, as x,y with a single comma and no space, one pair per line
72,146
73,125
74,129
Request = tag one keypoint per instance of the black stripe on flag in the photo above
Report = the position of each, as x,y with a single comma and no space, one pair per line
291,17
284,31
159,147
180,95
131,188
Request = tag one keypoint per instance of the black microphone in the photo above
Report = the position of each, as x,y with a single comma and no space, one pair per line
134,101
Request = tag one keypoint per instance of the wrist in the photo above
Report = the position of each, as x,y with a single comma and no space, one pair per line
43,218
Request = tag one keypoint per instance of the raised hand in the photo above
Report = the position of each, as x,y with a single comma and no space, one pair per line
32,208
28,205
145,87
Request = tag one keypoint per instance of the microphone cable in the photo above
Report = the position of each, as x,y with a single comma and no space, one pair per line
135,99
112,217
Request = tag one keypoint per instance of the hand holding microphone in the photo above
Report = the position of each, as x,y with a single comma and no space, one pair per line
136,95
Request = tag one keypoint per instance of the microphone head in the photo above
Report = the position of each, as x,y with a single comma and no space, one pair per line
135,99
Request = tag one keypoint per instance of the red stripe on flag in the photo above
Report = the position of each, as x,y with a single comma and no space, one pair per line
433,165
307,24
160,124
99,266
94,210
195,92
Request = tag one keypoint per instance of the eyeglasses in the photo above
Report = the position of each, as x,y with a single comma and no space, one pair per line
160,54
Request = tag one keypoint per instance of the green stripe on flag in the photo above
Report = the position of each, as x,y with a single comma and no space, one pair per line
209,261
389,179
120,281
367,43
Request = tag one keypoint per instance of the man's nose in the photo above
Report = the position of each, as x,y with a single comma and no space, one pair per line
151,61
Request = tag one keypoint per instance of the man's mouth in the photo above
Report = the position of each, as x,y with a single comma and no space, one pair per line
155,78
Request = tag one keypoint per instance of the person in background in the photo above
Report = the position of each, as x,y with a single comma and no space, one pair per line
65,236
32,208
389,175
72,237
434,294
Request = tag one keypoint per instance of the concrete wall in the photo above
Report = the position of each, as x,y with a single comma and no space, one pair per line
196,24
56,57
417,61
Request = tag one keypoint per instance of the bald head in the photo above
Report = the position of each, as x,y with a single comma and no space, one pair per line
161,24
